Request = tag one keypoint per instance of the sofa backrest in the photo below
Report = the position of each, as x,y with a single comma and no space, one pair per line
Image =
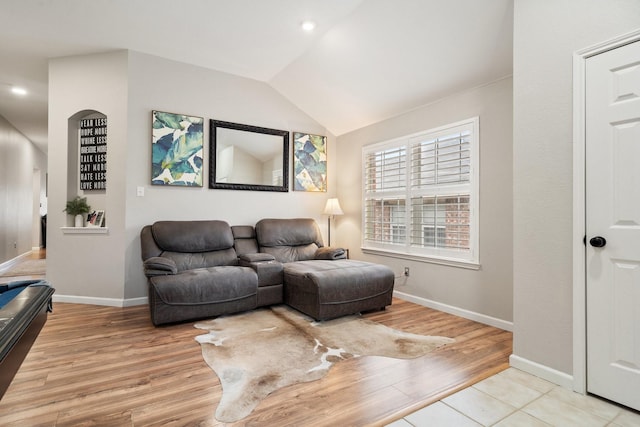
244,237
190,244
289,240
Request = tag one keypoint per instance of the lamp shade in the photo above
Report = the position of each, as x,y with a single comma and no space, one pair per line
333,207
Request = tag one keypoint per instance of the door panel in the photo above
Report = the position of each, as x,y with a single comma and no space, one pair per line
613,212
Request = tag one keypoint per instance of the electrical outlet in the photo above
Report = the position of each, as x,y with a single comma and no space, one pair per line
15,245
406,271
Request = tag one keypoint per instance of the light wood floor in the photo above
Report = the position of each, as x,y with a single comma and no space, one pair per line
106,366
35,254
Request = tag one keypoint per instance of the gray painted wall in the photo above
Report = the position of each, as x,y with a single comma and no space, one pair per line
487,291
87,266
20,164
546,36
127,86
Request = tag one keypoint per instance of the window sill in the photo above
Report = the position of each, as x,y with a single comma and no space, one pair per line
470,265
84,230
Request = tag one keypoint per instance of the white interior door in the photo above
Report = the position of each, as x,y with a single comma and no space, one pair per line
613,224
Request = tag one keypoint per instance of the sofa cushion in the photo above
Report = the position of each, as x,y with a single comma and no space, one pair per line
289,240
258,257
243,232
288,232
192,236
244,237
190,261
214,285
285,254
340,281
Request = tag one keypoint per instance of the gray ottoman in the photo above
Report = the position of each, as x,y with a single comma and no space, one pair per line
330,289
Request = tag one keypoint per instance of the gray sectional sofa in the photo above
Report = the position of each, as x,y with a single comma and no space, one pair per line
199,269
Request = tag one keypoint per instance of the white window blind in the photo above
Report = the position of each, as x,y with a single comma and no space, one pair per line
424,202
440,160
386,169
385,182
449,215
386,221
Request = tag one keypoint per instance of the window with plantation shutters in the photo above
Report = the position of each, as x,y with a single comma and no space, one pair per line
420,194
385,213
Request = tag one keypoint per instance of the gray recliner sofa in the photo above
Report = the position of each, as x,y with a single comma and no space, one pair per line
199,269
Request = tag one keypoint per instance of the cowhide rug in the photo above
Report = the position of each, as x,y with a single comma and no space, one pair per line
258,352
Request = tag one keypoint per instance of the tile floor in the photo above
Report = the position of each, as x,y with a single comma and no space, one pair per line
515,398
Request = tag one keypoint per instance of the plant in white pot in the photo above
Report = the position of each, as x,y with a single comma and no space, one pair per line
78,208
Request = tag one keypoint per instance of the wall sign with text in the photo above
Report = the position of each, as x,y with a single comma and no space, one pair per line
93,154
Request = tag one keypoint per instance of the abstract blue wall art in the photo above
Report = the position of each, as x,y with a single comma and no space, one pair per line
177,149
309,162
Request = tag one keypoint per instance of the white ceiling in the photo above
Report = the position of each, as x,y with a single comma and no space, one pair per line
366,61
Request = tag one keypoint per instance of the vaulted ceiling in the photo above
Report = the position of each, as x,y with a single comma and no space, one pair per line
366,60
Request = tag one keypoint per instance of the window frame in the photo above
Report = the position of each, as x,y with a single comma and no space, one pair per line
455,257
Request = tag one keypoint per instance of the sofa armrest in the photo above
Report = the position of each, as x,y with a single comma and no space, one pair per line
159,266
330,253
269,271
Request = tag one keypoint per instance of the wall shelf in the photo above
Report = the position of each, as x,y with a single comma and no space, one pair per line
84,230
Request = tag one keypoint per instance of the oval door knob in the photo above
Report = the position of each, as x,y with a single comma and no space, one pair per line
598,241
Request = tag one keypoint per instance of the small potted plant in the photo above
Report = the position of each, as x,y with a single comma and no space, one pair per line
78,208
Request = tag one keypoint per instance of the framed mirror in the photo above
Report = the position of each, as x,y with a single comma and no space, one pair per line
244,157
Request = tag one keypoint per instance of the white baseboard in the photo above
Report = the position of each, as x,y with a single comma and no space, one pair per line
130,302
546,373
110,302
471,315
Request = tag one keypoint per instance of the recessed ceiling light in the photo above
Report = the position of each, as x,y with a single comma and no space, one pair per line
18,91
308,26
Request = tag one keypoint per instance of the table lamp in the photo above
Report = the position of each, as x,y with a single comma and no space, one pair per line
332,208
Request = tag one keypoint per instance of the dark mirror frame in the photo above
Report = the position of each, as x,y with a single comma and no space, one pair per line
213,153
